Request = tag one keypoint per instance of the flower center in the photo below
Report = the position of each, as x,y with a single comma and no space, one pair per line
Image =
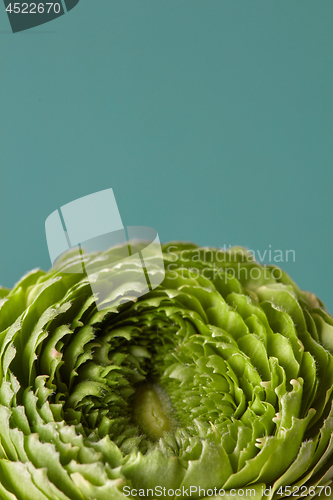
151,410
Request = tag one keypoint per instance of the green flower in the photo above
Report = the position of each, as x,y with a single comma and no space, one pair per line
220,378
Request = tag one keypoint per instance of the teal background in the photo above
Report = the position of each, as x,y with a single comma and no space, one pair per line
211,120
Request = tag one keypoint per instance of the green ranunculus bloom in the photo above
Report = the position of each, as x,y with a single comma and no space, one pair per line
220,378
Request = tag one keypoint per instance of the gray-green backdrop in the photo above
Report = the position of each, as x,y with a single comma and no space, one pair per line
211,120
